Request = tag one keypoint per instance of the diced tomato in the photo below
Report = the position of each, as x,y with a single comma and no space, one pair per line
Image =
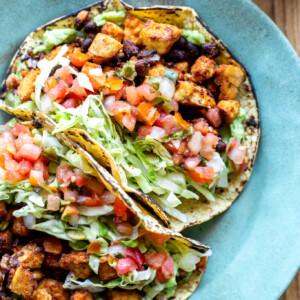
40,165
213,115
77,91
24,167
22,139
143,131
8,142
191,163
148,113
70,103
202,175
160,276
237,153
168,123
80,178
69,195
132,95
64,74
120,209
59,92
20,129
155,259
90,201
64,174
208,145
114,83
94,185
177,158
129,121
167,268
136,255
53,202
120,93
147,92
91,69
78,59
156,238
125,228
36,178
118,107
125,266
30,152
181,122
202,126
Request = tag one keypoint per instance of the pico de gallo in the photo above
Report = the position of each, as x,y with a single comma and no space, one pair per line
55,191
162,100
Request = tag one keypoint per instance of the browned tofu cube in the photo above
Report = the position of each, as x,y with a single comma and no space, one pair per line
159,36
30,256
123,295
106,272
104,47
76,262
189,93
230,109
19,227
27,85
52,245
113,30
50,289
52,261
203,69
22,282
132,29
229,78
157,70
82,295
5,241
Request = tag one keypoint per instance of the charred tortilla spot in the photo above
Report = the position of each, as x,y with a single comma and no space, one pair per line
252,122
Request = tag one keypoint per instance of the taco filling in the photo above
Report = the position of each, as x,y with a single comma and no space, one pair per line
52,189
162,100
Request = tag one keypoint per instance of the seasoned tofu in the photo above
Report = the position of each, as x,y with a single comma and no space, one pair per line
5,241
159,36
50,289
181,68
52,261
30,256
19,227
82,295
103,48
229,78
106,272
22,282
189,93
157,70
204,68
76,262
52,245
230,109
123,295
113,30
132,29
12,81
26,87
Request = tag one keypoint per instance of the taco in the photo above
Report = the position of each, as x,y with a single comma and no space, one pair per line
154,96
113,247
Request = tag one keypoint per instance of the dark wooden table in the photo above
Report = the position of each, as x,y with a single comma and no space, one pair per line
286,14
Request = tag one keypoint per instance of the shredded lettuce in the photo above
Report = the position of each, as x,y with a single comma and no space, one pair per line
53,227
94,263
237,127
128,71
115,16
12,100
194,36
55,37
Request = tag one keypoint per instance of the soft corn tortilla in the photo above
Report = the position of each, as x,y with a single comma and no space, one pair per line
196,211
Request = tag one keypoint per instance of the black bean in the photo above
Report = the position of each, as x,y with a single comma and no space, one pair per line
78,24
211,49
146,53
181,43
90,26
130,49
176,55
193,51
86,44
221,146
78,41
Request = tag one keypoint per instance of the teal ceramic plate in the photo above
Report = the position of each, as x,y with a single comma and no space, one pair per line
256,244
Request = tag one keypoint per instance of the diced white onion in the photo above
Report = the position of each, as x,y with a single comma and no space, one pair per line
96,71
176,144
195,142
84,81
95,211
116,250
157,133
63,61
167,87
46,103
29,221
216,163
